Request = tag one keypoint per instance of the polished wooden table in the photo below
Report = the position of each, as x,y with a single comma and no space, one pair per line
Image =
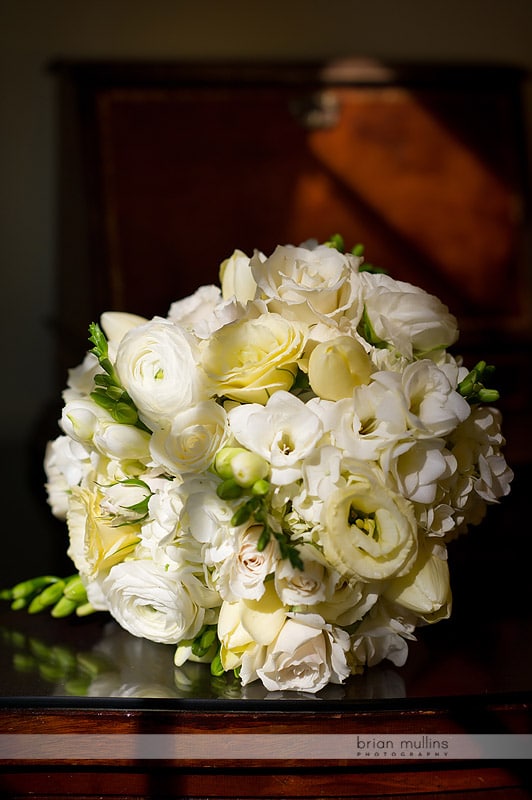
466,676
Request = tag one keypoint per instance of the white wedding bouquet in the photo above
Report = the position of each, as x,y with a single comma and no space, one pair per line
269,476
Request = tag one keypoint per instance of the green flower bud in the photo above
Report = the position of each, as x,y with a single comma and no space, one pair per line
248,468
48,597
223,459
75,591
260,488
63,608
229,490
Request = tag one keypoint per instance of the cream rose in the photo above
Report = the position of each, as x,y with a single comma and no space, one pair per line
305,656
250,359
309,284
158,366
245,624
368,532
192,440
96,544
307,587
243,575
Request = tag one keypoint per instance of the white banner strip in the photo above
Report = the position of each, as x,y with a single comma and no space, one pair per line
280,747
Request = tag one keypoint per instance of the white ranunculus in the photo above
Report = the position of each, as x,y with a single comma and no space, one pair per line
158,365
283,432
309,284
236,277
368,533
305,656
405,316
426,589
151,602
192,440
66,464
250,359
244,573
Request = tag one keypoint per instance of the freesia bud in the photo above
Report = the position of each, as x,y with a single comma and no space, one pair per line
337,366
222,462
248,468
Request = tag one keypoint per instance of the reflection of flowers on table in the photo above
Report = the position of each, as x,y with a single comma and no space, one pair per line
268,478
122,665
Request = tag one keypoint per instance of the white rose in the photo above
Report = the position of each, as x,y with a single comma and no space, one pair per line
153,603
243,575
283,432
158,366
250,359
237,279
368,532
192,440
405,316
305,656
309,284
313,584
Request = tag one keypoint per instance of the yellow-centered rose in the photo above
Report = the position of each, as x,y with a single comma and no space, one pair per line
337,366
95,543
370,533
250,359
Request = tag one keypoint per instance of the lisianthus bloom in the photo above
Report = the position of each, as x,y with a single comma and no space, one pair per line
368,532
